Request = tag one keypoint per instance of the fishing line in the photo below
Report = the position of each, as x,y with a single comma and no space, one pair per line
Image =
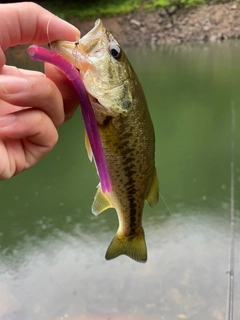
47,31
230,296
165,203
75,53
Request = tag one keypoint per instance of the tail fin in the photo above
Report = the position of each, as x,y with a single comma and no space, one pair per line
135,247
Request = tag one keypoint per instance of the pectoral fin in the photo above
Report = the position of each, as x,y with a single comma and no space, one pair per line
100,202
153,194
88,146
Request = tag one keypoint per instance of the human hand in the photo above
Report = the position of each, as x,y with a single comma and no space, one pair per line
32,105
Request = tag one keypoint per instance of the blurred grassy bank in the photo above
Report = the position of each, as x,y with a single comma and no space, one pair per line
93,8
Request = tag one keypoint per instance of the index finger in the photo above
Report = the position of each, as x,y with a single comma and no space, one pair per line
27,22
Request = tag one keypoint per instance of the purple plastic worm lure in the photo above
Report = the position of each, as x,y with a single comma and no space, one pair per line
41,54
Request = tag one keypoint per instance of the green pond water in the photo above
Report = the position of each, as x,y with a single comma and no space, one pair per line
52,248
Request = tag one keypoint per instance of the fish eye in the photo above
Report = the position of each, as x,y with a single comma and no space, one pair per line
115,51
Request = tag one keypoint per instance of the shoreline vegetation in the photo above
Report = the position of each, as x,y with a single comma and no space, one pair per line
106,8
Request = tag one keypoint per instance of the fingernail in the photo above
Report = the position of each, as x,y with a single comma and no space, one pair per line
13,84
7,120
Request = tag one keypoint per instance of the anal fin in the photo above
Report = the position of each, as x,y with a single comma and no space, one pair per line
153,194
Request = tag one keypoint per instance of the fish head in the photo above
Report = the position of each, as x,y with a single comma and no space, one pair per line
105,70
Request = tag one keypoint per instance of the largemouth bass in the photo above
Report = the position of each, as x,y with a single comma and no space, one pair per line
126,132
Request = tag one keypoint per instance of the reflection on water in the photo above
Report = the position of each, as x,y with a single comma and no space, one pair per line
65,273
52,262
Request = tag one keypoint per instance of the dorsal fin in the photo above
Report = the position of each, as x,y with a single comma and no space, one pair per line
101,202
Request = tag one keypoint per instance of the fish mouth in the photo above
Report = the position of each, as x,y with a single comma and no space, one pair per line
77,52
72,53
93,35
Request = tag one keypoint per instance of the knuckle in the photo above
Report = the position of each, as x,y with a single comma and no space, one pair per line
46,129
47,88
